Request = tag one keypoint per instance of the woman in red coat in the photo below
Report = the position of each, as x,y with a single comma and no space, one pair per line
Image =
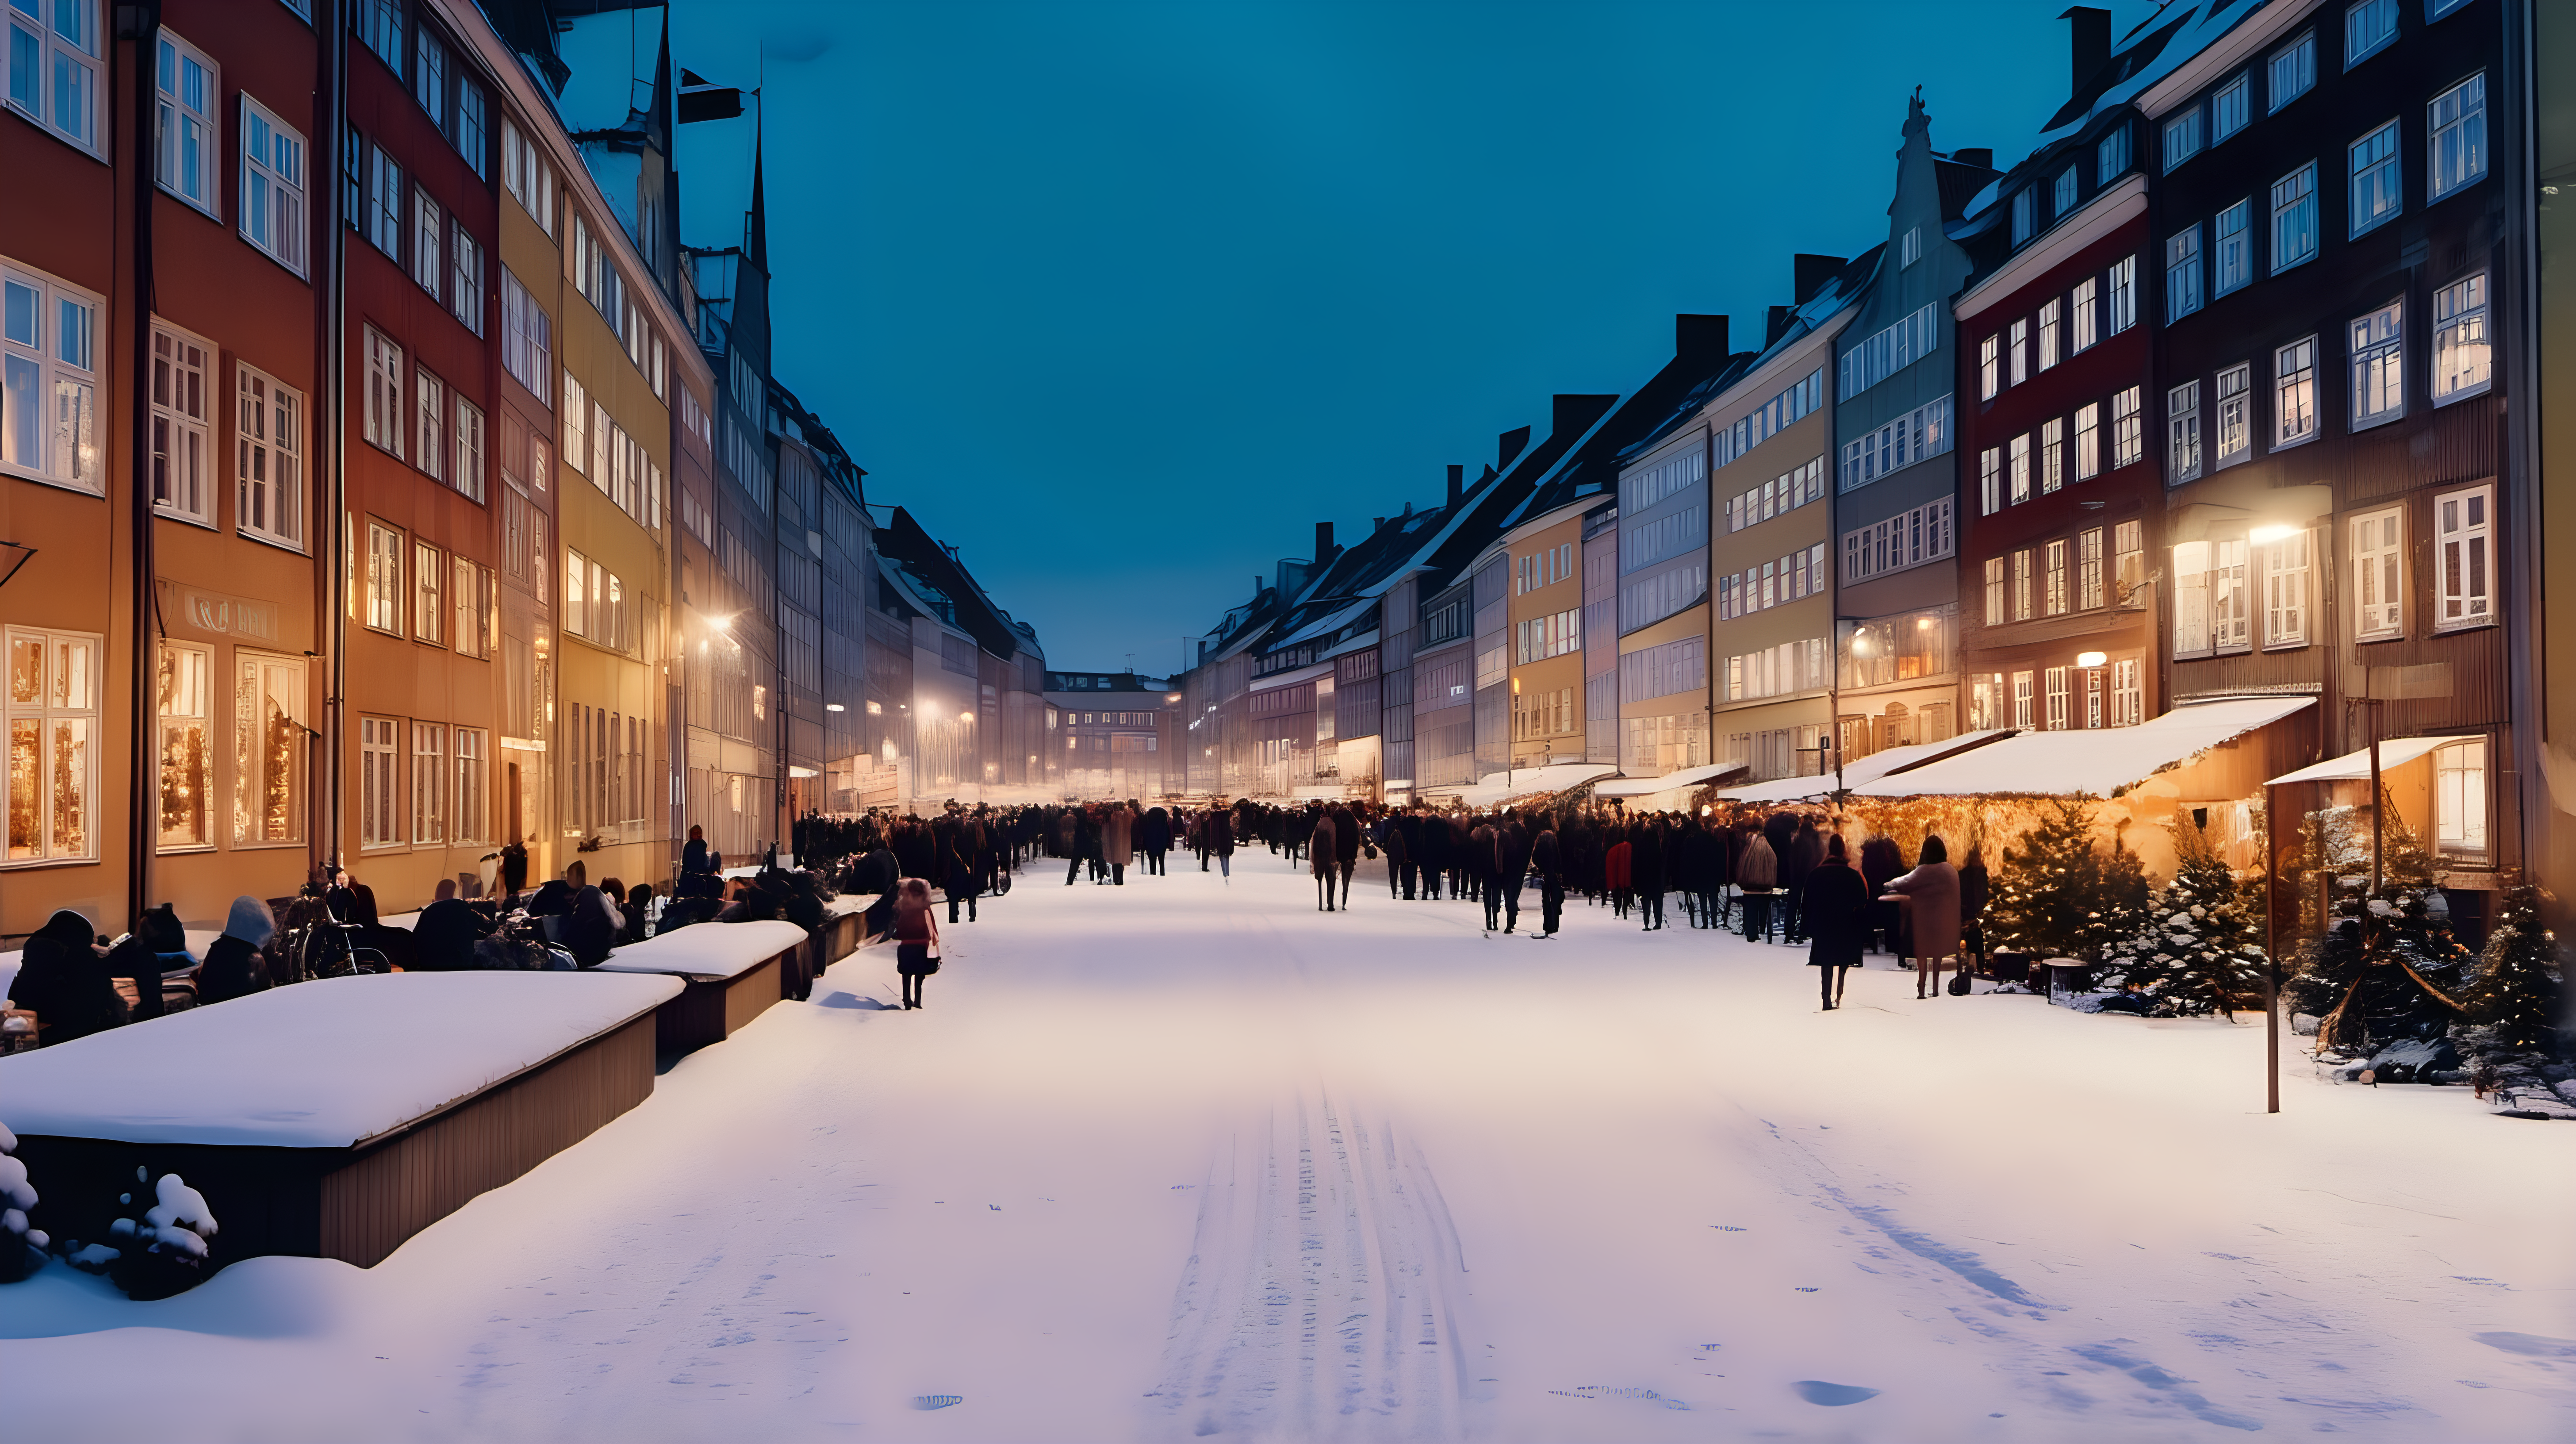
1615,876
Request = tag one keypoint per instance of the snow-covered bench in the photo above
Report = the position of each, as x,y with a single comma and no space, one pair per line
732,972
845,926
336,1118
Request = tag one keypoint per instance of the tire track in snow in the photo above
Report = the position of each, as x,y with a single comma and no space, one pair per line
1324,1291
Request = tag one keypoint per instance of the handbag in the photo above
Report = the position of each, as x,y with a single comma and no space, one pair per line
1959,985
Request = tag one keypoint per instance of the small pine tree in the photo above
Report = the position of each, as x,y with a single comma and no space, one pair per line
2513,1000
2056,896
2198,947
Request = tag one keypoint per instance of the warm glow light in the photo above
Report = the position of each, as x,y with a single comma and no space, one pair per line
834,707
721,624
929,709
1860,645
876,709
2090,659
1923,624
2266,535
1171,696
965,716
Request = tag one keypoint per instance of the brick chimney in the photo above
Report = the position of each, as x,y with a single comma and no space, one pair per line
1323,542
1457,481
2089,28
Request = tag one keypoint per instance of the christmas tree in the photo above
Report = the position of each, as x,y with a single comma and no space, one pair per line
2056,896
2513,1002
2199,947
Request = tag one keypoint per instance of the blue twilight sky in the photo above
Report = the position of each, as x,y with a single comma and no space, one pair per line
1122,298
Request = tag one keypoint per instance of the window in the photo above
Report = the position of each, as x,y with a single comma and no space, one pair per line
51,707
2379,366
2111,157
49,380
2461,362
2019,469
181,439
2063,198
2020,352
2294,393
380,24
384,578
2088,569
429,75
2128,696
428,782
2376,186
2182,137
2182,273
527,339
2294,218
2191,599
2285,590
469,590
2457,124
472,130
2057,699
268,458
2235,414
2052,455
2230,107
2367,28
470,821
468,475
2056,592
2229,610
1994,591
2128,562
2092,696
2088,441
2128,430
384,413
1918,435
2120,296
429,227
528,176
187,147
2021,692
2464,557
2292,70
1990,472
576,423
431,394
272,185
187,759
379,785
2025,220
465,281
2048,315
429,615
1989,368
268,749
1877,356
2232,248
1910,538
2460,798
2378,568
2182,433
2436,9
385,197
54,72
2084,318
1910,248
1985,701
2021,585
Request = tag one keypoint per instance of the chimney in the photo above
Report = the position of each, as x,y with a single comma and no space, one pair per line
1510,444
1457,481
1699,338
1808,275
1323,542
1980,156
1376,524
1775,325
2090,29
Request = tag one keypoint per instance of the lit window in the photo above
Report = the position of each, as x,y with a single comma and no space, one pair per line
2020,352
2052,455
2182,427
2379,366
2082,303
2460,798
2294,218
429,615
2021,700
1994,591
2378,566
2020,469
379,785
2128,562
2464,557
2055,591
384,578
428,782
2235,414
2120,296
272,185
2191,599
2088,441
2231,623
49,380
2285,591
51,782
2057,699
2457,123
268,749
1989,367
2021,585
185,707
2294,392
470,820
2048,315
384,407
2461,359
2128,430
2088,569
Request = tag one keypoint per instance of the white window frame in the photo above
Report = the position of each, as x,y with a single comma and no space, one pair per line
380,821
74,117
2290,72
2089,593
2455,124
2462,795
2120,296
2022,700
2231,249
2234,415
429,780
49,361
386,202
470,821
2294,393
268,459
528,176
2024,568
185,370
2231,598
387,604
2463,351
576,423
2377,180
2057,578
2191,613
2182,432
2052,455
2182,273
2128,428
185,746
388,402
2128,694
465,269
472,450
2464,558
2294,218
1994,591
2128,562
2378,574
187,149
2060,715
428,240
262,680
2086,325
2369,27
430,403
2020,346
40,720
2017,470
2088,441
1989,368
275,161
2049,332
527,339
2285,573
2182,138
2233,101
1990,466
2064,194
2376,365
428,593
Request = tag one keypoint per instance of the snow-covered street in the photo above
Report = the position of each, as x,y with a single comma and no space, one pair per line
1184,1159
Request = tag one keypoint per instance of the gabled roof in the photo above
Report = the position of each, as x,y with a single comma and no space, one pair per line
1830,300
902,540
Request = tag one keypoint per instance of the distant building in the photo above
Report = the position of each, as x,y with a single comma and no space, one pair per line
1110,735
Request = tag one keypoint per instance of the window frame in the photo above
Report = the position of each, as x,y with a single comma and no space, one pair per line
2111,156
2182,133
429,407
2238,243
2091,591
2284,591
469,433
2383,176
470,815
2182,273
2120,296
2052,455
2182,432
168,677
2450,329
2469,128
2282,384
468,262
2128,427
48,361
380,793
2367,47
2447,764
252,674
2065,193
2236,95
2377,365
2085,332
1990,367
54,52
266,458
2302,55
2088,441
2295,219
2194,632
385,607
49,713
2378,563
2050,312
178,439
429,783
269,199
428,593
202,153
2477,556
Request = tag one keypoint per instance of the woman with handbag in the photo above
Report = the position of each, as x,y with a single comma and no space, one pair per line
916,938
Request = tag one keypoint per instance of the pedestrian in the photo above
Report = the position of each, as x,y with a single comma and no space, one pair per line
693,858
1399,864
1220,831
916,938
1757,874
1547,863
1646,870
1511,868
1319,860
1973,889
65,982
1346,848
1931,893
1118,842
1882,862
1806,850
1834,919
1615,876
1156,835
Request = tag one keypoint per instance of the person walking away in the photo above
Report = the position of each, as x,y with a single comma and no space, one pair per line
1615,878
916,938
1392,841
1646,870
1681,859
1758,873
1319,861
1882,862
1346,848
1931,894
958,872
1158,840
1220,826
1548,864
1118,842
1974,887
1480,867
1806,850
1834,919
1511,868
1432,846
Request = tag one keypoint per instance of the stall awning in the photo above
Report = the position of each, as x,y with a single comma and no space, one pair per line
1501,789
1883,763
2355,766
1669,782
2097,762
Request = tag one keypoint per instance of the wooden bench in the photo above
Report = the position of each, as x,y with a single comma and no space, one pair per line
730,973
336,1118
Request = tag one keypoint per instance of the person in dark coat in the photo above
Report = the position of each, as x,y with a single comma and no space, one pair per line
235,966
65,983
1220,825
695,858
1974,888
1646,872
1882,862
1511,868
1681,861
1480,867
591,929
1834,919
639,908
1319,861
1780,829
1547,862
1431,852
444,938
1399,857
1346,848
1756,874
1806,850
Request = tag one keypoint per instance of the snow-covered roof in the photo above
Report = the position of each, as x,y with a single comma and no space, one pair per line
2092,762
1333,620
1670,781
2355,766
706,950
1885,762
1501,789
322,1064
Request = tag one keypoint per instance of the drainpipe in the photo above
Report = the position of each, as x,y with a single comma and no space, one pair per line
142,25
335,539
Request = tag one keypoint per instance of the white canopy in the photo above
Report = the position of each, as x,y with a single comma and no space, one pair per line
707,950
2098,762
1504,788
1859,770
2355,766
1670,781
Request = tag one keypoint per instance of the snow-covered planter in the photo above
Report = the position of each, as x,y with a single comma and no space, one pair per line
22,1248
168,1250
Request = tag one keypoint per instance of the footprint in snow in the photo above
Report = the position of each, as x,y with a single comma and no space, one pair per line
1726,1228
937,1401
1803,1288
1817,1391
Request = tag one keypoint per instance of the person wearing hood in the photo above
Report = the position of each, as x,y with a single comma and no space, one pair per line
235,965
1756,873
1834,919
65,983
444,938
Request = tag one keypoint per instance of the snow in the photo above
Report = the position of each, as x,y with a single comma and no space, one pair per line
1669,782
315,1065
706,950
1521,783
2355,766
1621,1186
2100,762
1861,770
